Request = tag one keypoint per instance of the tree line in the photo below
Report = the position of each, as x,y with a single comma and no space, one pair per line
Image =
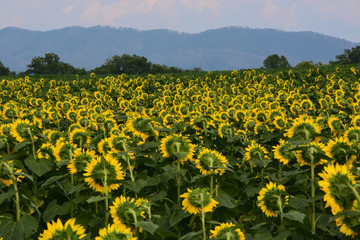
51,64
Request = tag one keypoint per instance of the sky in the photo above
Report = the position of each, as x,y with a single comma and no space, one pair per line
338,18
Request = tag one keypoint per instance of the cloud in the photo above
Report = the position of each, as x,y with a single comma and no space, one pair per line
201,6
284,16
68,9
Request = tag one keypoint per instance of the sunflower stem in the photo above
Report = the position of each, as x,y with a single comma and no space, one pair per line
106,195
203,216
32,142
153,130
312,183
279,203
280,172
8,148
128,162
355,192
17,198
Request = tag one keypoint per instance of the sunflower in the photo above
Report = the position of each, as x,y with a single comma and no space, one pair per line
310,151
282,152
337,183
117,143
115,231
80,158
109,124
272,199
79,137
211,162
22,130
141,127
127,210
177,146
225,129
280,122
352,134
101,171
52,136
304,128
45,151
340,149
336,125
63,150
103,146
349,224
56,230
255,152
197,200
227,231
6,176
355,121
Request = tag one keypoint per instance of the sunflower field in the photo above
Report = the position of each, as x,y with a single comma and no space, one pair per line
249,154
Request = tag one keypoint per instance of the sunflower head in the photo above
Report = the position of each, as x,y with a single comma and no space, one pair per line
23,130
303,128
177,146
225,129
283,152
80,159
211,162
272,199
227,231
256,154
336,125
198,200
126,211
58,230
115,231
313,152
79,137
101,172
337,183
352,134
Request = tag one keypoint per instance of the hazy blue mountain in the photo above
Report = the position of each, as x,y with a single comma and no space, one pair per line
218,49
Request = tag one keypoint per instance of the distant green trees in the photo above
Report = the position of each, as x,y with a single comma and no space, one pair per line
51,64
4,70
348,57
275,61
132,65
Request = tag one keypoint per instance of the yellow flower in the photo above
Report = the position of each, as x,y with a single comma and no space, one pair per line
255,152
211,162
198,200
225,230
81,157
337,183
340,149
21,130
95,175
56,230
114,231
304,127
282,152
127,210
270,198
309,152
177,146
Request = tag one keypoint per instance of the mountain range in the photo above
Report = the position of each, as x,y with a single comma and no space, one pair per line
225,48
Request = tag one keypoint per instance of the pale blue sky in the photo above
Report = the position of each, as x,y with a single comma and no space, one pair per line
339,18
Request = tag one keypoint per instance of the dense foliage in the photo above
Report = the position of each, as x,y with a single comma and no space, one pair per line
257,154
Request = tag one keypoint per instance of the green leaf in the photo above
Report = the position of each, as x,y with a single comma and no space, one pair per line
177,216
283,235
23,229
191,235
180,155
147,226
137,186
53,210
224,199
40,166
295,216
7,195
51,180
21,145
97,199
148,145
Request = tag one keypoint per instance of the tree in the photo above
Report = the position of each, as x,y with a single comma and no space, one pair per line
274,61
4,70
348,57
50,64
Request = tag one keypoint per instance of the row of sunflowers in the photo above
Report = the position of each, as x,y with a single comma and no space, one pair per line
234,155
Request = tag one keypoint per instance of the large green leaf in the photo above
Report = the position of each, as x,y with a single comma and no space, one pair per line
23,229
40,166
147,226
